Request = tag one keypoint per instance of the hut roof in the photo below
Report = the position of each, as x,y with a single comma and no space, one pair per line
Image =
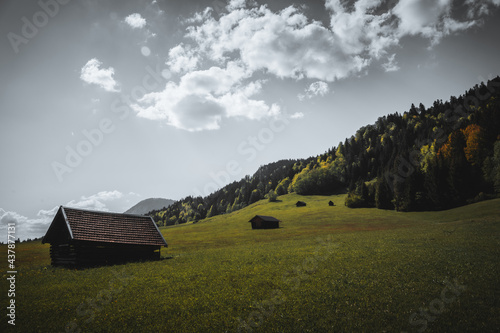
265,218
87,225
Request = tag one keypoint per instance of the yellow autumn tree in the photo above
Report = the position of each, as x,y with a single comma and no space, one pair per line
452,146
427,155
474,143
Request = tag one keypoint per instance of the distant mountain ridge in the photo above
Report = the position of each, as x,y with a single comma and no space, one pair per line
148,205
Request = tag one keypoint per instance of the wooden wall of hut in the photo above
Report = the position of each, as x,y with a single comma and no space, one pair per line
86,254
264,225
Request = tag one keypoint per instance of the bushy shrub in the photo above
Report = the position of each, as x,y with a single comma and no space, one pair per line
317,181
354,201
272,196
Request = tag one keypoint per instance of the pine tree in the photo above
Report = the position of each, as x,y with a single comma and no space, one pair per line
254,197
383,196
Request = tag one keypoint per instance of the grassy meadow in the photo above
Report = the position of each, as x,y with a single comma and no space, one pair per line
327,269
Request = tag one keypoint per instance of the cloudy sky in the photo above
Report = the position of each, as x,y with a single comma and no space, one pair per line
106,103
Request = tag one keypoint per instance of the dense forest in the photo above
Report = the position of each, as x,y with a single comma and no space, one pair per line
432,158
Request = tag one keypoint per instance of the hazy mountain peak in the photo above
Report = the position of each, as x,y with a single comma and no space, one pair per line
147,205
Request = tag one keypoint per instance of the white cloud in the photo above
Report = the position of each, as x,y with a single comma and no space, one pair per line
236,4
203,98
480,8
297,115
285,44
391,65
239,104
47,214
95,201
421,16
136,21
214,80
429,19
91,73
359,31
182,59
318,88
26,227
199,16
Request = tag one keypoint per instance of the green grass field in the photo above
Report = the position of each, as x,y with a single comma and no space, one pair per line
328,269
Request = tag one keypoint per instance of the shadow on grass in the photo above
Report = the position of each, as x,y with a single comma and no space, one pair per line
166,258
108,264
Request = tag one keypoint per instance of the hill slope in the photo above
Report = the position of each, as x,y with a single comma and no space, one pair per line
148,205
328,269
338,269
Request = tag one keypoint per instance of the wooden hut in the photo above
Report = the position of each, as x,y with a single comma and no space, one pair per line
300,204
87,238
264,222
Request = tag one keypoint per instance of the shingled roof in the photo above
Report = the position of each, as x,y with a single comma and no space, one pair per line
265,218
94,226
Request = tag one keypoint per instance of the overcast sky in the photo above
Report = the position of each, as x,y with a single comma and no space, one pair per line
106,103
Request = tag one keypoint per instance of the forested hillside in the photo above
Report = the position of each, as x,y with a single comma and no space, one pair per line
430,158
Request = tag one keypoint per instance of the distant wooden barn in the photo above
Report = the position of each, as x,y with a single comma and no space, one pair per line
264,222
300,204
87,238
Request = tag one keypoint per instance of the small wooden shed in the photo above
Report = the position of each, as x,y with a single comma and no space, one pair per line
264,222
300,204
80,237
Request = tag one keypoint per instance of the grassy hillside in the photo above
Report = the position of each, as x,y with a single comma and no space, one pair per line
328,269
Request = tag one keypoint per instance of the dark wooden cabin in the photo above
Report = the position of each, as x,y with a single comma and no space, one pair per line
264,222
300,204
89,238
